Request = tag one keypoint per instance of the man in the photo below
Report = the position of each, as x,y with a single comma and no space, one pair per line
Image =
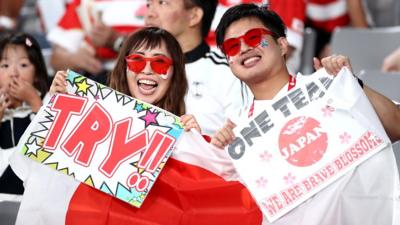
214,94
359,195
292,13
88,36
324,16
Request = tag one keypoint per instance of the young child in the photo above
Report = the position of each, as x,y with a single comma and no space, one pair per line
23,84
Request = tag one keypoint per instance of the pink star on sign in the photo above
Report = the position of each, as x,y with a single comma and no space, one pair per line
328,110
344,138
150,118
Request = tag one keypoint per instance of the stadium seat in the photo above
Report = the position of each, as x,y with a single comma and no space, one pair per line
387,84
365,47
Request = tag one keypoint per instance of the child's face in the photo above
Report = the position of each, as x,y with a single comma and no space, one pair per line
15,65
147,85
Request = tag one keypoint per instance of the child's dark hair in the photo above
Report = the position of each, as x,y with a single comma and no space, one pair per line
35,56
269,18
152,37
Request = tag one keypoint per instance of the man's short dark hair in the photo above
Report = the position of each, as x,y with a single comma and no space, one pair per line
269,18
209,7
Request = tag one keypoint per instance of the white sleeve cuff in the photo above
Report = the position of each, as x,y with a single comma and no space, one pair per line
295,39
69,39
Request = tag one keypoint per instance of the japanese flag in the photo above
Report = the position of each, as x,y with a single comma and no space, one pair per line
188,191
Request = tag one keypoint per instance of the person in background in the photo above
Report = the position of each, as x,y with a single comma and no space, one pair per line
9,13
23,84
214,94
324,16
89,35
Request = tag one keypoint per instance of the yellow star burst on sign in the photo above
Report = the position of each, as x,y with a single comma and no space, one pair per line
83,86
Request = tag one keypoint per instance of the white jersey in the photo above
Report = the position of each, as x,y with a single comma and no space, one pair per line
214,94
368,194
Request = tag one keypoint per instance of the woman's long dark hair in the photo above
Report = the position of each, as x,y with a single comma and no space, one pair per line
35,56
151,37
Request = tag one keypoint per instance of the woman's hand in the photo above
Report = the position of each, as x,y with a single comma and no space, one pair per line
189,121
224,136
59,84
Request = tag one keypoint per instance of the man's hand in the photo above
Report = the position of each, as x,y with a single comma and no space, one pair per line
224,136
103,35
332,64
85,59
189,121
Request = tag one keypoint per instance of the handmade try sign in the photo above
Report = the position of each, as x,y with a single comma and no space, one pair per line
303,141
106,139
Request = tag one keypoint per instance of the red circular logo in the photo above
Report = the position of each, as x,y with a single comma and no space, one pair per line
302,141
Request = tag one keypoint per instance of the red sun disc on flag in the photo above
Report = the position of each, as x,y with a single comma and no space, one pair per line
302,141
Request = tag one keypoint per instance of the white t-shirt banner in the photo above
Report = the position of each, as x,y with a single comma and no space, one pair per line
103,138
302,142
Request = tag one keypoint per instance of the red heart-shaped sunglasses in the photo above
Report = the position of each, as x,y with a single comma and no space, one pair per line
252,38
159,64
